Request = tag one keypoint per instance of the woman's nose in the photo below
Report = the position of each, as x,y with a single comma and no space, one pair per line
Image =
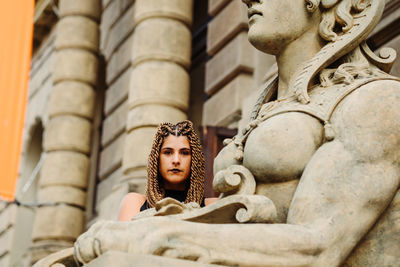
176,159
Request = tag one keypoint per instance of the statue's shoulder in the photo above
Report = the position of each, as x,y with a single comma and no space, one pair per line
370,112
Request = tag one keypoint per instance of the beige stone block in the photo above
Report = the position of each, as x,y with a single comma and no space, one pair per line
395,44
72,98
65,168
60,222
159,83
137,148
6,241
42,248
42,74
228,23
77,32
75,64
68,133
114,124
214,6
7,218
152,115
225,106
111,157
118,33
120,61
3,205
111,15
5,260
181,10
236,57
117,92
162,39
40,57
105,186
90,8
108,208
62,194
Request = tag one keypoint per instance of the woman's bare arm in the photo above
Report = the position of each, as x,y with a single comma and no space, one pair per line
130,206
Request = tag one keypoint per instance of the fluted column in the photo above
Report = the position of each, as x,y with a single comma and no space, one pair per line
159,86
67,139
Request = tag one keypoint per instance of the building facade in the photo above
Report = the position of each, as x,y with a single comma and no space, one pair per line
104,73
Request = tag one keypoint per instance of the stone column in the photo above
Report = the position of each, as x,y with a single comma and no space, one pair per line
63,178
159,86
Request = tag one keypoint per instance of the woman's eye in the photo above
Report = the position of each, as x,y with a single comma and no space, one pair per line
186,153
167,152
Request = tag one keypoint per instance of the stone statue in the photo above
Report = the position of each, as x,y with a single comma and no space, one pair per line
314,179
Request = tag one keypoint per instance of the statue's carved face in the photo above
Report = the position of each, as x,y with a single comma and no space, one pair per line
273,24
175,161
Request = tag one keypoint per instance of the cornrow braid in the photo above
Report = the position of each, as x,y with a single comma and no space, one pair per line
154,190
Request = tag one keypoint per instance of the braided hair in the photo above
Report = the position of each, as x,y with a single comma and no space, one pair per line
154,190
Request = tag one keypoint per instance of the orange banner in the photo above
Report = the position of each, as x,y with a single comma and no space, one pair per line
16,29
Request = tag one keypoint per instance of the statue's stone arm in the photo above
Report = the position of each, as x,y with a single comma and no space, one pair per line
345,187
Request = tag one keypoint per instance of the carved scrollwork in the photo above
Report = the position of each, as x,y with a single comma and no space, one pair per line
384,60
236,179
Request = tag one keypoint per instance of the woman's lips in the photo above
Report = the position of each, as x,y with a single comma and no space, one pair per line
175,170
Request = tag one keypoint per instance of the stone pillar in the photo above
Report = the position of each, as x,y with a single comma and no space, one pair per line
159,86
63,177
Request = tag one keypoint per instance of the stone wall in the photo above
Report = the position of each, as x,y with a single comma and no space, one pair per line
235,69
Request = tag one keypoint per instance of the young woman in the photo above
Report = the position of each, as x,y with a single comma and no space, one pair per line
175,169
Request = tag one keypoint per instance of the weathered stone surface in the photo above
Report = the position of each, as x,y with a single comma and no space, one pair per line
90,8
152,115
68,133
7,218
236,57
118,33
114,124
75,64
42,71
43,248
110,16
119,61
137,148
395,44
225,106
67,223
72,98
5,260
111,157
65,168
124,260
181,10
162,39
6,241
228,23
159,83
214,6
77,32
62,194
108,208
105,186
117,93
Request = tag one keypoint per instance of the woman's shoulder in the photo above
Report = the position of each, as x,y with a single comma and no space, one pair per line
130,206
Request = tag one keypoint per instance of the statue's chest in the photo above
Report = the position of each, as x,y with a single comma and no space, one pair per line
280,147
288,134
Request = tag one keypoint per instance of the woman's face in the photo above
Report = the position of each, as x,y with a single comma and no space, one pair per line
175,161
273,24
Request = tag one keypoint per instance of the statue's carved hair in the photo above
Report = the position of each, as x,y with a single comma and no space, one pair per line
337,19
154,191
336,14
